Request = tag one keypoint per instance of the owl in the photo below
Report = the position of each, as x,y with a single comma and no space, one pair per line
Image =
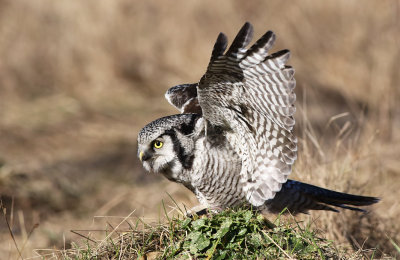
233,143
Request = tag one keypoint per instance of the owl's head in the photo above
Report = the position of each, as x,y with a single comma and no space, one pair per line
166,145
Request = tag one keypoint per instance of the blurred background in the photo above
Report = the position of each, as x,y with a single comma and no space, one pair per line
79,79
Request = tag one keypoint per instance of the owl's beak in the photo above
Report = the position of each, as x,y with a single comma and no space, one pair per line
140,155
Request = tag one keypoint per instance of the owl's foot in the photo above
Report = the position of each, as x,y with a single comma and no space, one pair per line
201,210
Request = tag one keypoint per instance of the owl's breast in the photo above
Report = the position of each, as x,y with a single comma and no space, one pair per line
215,175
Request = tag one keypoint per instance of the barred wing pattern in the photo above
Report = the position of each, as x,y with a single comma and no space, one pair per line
184,98
249,95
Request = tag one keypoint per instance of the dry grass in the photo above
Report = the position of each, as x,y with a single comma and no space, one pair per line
78,79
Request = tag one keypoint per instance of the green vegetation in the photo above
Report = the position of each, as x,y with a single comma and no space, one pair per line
241,234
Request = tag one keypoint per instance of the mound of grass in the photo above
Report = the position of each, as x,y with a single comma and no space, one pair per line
232,234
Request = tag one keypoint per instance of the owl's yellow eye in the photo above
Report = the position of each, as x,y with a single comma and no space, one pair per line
158,144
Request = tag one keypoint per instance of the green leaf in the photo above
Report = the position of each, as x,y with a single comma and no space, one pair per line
198,242
260,217
193,248
185,222
227,223
194,235
224,228
242,232
202,242
247,216
222,255
197,224
256,240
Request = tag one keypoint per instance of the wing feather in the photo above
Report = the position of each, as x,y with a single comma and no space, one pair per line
184,98
242,39
259,51
249,95
219,46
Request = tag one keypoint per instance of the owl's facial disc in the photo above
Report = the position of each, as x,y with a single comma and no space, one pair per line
158,156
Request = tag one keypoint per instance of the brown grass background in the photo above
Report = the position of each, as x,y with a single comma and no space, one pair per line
78,79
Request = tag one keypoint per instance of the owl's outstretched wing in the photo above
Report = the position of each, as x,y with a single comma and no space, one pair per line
248,94
184,98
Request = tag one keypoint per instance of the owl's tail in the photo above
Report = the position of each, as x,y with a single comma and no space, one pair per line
300,197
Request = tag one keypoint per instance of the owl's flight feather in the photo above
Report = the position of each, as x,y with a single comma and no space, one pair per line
249,94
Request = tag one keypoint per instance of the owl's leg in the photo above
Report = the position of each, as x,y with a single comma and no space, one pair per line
201,210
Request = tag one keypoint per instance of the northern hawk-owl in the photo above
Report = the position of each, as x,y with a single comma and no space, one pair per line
233,143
